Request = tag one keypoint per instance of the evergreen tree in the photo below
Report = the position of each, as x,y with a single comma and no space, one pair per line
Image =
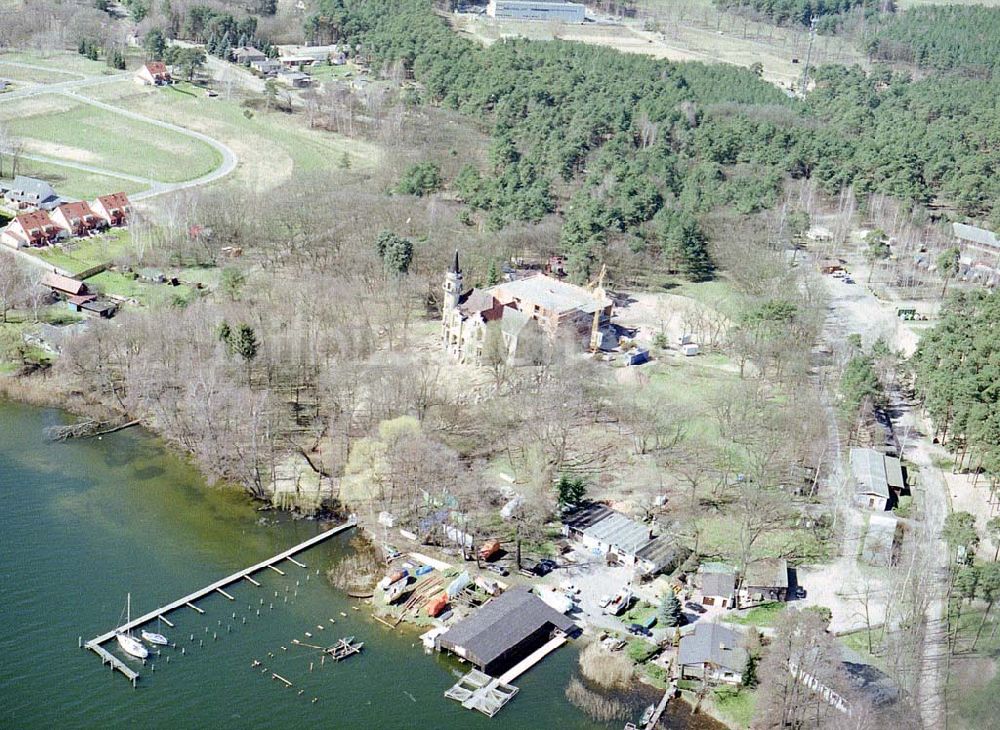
570,490
670,613
492,273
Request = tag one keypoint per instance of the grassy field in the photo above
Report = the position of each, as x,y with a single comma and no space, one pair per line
80,254
735,705
73,183
270,145
146,293
31,75
81,133
767,614
63,62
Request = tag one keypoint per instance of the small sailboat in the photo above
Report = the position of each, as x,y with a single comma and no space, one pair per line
129,644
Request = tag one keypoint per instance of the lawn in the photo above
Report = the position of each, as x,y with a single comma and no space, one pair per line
31,75
271,146
62,62
324,72
80,254
720,537
101,138
735,705
146,293
767,614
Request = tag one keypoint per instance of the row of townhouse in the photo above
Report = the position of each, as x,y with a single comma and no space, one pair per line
41,227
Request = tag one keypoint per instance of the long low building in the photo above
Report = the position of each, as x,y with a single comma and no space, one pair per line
878,478
505,630
553,11
601,530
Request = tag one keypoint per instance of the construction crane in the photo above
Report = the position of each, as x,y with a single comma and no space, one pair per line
597,287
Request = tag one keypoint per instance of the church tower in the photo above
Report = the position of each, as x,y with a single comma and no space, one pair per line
452,286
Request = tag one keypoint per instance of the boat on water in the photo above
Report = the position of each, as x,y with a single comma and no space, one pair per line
647,715
154,638
129,644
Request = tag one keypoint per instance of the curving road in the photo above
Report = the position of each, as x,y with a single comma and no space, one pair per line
156,187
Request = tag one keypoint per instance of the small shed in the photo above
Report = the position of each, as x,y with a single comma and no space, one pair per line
765,580
882,540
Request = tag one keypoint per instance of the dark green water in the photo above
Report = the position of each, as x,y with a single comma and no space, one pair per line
84,522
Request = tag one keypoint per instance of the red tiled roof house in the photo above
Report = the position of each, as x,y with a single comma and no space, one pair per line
77,219
115,209
31,229
153,73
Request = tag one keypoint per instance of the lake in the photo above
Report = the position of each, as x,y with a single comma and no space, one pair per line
86,522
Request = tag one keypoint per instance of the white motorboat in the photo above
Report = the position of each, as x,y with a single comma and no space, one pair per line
555,599
154,638
619,603
396,590
129,644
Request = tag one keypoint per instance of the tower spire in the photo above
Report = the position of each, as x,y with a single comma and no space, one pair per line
454,266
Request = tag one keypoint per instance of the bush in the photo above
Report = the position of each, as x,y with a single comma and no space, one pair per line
604,668
639,650
420,179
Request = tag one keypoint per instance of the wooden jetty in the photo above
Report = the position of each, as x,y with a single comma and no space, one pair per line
671,689
531,660
95,643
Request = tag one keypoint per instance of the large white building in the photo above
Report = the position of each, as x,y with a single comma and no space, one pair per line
551,10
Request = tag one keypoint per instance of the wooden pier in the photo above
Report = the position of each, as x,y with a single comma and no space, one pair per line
106,657
531,660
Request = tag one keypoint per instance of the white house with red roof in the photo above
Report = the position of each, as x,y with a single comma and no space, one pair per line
153,73
114,209
30,229
77,219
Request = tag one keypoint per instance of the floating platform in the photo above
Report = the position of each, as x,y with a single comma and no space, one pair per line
479,691
95,643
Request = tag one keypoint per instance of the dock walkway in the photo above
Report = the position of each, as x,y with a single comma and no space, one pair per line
531,660
187,601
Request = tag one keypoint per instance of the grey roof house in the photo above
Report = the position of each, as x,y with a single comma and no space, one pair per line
712,652
879,478
505,630
717,582
29,192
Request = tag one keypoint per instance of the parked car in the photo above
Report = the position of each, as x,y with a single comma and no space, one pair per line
800,592
696,607
639,630
604,600
498,569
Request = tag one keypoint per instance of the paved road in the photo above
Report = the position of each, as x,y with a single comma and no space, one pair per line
156,187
